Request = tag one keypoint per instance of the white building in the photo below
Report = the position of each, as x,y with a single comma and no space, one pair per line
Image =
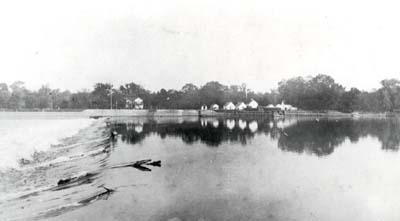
138,103
229,106
240,106
215,107
286,107
128,104
204,107
253,104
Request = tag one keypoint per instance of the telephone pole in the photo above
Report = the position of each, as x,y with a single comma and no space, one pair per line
111,99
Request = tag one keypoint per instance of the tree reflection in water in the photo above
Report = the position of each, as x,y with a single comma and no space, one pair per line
295,135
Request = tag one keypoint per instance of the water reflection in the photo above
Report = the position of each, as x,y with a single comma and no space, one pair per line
242,124
230,124
295,135
253,126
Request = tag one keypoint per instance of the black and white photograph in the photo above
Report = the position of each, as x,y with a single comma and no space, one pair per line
211,110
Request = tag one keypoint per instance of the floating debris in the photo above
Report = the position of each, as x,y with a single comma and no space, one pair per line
155,163
73,181
103,195
140,165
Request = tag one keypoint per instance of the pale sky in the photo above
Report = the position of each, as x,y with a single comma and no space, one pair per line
165,44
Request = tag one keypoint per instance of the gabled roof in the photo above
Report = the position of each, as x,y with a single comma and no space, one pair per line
240,103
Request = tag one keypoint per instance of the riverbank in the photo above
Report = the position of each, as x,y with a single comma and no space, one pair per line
212,113
96,113
234,113
301,113
139,113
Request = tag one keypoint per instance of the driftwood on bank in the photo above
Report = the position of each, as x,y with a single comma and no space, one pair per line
69,182
140,165
103,195
89,177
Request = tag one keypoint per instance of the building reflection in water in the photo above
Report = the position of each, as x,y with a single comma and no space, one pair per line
230,124
242,124
138,128
203,122
215,123
294,135
253,126
271,124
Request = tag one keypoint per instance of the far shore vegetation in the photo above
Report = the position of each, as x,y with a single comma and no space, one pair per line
314,93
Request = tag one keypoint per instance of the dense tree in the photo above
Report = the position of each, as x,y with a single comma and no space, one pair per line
45,97
4,95
350,100
81,100
17,99
61,99
293,91
390,93
212,93
132,91
102,95
189,97
371,101
317,93
320,92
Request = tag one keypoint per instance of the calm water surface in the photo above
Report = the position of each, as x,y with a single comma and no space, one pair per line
213,169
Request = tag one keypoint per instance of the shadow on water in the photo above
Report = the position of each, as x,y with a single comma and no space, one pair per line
296,135
322,137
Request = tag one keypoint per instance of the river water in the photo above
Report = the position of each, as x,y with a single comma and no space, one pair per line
199,169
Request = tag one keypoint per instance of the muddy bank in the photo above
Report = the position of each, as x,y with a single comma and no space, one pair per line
139,113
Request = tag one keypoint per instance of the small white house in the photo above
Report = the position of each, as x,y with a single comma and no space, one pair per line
270,106
128,104
240,106
253,104
204,107
138,103
286,107
229,106
215,107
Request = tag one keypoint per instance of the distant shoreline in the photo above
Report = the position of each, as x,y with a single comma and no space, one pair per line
93,113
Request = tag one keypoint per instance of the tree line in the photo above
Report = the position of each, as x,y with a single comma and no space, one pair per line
319,93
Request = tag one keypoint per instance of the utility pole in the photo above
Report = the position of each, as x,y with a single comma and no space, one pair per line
244,88
51,101
111,99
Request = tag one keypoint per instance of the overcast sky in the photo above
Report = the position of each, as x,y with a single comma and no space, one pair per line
165,44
